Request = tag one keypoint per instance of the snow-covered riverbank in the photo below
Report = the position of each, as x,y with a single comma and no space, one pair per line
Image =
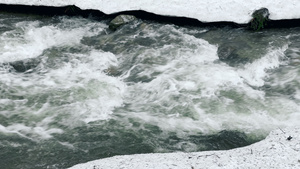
276,151
206,11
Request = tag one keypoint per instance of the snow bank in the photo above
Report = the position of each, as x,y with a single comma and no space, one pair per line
237,11
273,152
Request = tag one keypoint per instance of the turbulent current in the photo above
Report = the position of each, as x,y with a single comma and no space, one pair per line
71,90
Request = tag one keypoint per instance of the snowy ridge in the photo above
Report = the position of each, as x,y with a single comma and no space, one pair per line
206,10
276,151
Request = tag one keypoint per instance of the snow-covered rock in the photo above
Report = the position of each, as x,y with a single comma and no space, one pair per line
276,151
237,11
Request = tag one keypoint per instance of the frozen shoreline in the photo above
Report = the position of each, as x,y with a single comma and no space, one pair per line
204,11
276,151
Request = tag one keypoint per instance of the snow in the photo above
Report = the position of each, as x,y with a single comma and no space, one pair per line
276,151
237,11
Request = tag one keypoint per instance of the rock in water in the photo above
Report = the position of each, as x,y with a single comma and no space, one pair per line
234,53
121,20
260,19
25,65
226,52
112,71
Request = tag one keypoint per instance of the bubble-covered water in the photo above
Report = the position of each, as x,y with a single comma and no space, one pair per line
72,91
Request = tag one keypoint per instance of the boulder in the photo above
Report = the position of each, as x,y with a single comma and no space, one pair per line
226,52
25,65
235,53
72,10
121,20
112,71
260,19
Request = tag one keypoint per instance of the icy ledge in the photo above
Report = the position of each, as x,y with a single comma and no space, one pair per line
276,151
237,11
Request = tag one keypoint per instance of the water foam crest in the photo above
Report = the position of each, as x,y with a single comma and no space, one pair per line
192,92
67,88
78,91
30,39
190,74
254,73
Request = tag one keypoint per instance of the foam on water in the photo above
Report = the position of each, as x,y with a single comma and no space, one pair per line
73,91
194,92
255,73
147,87
187,89
79,90
29,39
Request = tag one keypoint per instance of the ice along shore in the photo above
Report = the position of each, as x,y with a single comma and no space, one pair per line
280,149
205,11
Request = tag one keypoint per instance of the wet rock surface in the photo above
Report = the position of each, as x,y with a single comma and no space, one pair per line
121,20
25,65
260,19
234,53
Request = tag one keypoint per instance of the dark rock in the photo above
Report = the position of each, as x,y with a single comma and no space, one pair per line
72,10
226,52
234,53
260,19
112,71
25,65
121,20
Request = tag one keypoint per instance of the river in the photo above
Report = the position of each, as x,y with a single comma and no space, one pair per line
71,90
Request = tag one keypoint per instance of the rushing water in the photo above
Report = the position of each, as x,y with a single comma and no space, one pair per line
86,92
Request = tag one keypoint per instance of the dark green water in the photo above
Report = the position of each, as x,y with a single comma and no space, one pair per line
72,91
